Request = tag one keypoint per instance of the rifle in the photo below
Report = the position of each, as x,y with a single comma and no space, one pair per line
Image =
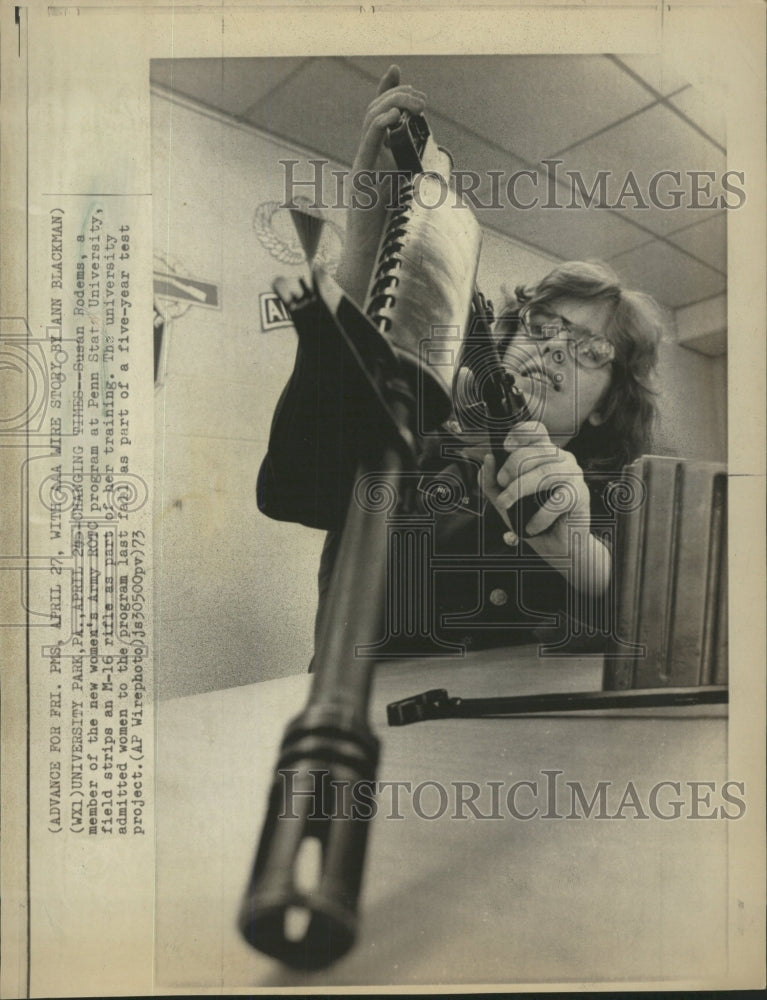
423,281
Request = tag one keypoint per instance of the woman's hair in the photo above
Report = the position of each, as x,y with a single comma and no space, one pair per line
635,328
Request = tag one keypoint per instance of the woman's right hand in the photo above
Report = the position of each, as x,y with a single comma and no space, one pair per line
364,224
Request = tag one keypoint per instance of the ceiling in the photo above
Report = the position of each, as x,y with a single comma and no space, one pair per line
627,114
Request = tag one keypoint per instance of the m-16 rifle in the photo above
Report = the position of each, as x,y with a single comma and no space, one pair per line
424,280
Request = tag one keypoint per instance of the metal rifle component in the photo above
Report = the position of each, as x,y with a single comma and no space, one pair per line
386,382
423,279
309,224
486,397
436,704
414,148
329,747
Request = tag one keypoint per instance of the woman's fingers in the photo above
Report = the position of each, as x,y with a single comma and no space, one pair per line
372,139
526,433
558,504
405,98
525,459
562,497
488,484
383,114
529,483
390,79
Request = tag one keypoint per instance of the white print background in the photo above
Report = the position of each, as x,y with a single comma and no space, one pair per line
76,90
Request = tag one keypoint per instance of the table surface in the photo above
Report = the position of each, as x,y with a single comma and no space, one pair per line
459,901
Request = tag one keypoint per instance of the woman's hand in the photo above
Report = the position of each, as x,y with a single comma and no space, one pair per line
561,526
535,463
364,224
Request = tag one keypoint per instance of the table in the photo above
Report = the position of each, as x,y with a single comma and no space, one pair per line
550,899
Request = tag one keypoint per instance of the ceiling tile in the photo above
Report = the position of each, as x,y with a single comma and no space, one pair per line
672,277
707,240
231,85
321,107
529,105
705,110
579,234
653,141
659,73
307,109
565,233
512,111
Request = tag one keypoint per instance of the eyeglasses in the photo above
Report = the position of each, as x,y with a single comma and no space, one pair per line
588,351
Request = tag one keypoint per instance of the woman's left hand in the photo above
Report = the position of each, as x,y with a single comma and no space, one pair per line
535,463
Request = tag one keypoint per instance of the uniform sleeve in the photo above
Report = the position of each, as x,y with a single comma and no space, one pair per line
308,471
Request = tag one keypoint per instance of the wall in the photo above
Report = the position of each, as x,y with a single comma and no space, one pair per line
693,405
235,591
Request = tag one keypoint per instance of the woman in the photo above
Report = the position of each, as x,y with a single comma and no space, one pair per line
581,350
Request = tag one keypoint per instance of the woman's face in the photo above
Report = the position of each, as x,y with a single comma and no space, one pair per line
559,391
